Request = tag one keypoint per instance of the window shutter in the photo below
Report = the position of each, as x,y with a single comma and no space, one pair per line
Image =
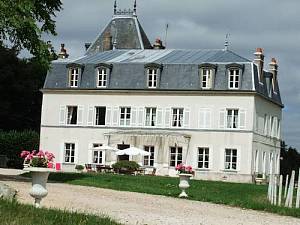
76,154
133,116
80,115
108,116
222,119
201,119
91,116
116,115
159,117
242,120
168,117
141,116
186,118
62,115
208,118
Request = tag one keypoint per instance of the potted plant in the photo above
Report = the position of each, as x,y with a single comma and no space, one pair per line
79,168
185,173
39,164
125,167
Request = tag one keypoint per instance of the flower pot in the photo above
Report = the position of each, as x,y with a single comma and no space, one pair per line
184,184
39,180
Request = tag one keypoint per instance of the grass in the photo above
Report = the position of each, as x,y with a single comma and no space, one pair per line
247,196
13,213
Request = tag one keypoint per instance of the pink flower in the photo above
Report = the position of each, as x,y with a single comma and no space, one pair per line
40,154
24,154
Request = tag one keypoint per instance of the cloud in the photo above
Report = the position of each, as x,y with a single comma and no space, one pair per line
271,24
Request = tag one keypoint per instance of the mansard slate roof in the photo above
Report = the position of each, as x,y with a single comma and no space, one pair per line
179,71
126,31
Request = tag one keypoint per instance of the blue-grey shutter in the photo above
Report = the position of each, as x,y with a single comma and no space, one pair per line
80,115
186,118
222,119
133,116
62,115
242,119
116,115
159,117
108,116
167,117
91,116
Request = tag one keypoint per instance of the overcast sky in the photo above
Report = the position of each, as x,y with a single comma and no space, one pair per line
202,24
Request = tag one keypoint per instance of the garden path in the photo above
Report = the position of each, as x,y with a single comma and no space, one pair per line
143,209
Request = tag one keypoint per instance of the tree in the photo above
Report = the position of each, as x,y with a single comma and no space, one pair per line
290,160
23,22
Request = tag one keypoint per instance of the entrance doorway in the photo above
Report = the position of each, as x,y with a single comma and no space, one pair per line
123,157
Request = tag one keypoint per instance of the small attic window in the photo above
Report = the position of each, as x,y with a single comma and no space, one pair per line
74,72
207,74
234,72
153,72
103,71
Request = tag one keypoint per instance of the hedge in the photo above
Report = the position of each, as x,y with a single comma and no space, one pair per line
13,142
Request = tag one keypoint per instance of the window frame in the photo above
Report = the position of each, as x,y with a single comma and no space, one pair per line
95,114
235,80
149,159
151,115
74,78
176,160
69,161
154,76
104,76
231,159
233,120
204,154
125,119
179,119
67,115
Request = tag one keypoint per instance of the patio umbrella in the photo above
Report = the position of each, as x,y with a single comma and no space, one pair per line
132,151
106,147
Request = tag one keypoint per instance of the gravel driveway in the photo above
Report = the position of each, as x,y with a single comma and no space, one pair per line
143,209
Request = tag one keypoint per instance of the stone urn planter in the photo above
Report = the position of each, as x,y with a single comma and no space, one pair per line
39,180
184,184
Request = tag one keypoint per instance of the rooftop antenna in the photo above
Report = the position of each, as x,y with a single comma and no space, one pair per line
115,7
166,37
134,8
226,44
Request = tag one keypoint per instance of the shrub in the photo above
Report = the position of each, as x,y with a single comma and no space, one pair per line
125,166
79,167
12,143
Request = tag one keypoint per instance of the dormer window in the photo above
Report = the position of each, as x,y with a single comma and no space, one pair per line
234,72
153,72
74,74
152,78
103,71
207,73
102,77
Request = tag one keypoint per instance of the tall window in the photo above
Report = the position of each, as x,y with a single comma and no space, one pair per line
234,78
230,159
177,117
97,154
203,158
175,156
102,77
74,74
69,153
125,116
152,78
149,160
72,115
206,78
150,117
100,115
232,118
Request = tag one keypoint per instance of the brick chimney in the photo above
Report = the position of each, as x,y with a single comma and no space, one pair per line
274,70
107,41
259,61
63,52
158,44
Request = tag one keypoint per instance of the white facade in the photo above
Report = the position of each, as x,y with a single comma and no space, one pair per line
204,123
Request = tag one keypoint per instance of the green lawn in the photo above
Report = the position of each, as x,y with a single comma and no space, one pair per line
12,213
248,196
